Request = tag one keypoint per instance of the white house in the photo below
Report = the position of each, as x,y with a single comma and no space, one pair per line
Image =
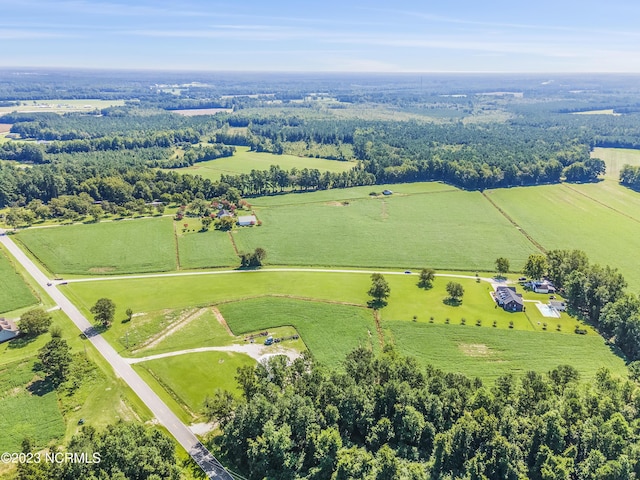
247,220
8,330
543,287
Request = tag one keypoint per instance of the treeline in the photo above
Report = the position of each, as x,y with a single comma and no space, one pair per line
385,417
597,294
630,176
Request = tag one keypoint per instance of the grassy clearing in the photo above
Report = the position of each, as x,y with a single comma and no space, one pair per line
61,106
616,158
14,292
26,409
488,353
145,245
452,230
243,161
568,219
329,331
190,378
206,249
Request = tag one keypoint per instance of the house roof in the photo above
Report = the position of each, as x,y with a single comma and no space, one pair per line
507,295
247,219
6,324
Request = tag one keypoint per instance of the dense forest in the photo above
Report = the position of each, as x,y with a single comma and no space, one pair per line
385,417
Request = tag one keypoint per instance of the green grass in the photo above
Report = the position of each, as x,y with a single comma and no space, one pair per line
243,161
191,377
329,331
206,249
487,353
14,292
558,216
26,412
446,230
145,245
616,158
61,105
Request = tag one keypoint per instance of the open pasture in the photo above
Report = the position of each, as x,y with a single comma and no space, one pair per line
190,378
14,292
559,216
616,158
206,249
125,246
243,161
329,331
488,353
61,106
447,230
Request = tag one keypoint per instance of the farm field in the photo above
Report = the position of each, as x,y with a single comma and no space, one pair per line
206,249
190,378
243,161
451,229
14,292
488,353
61,105
126,246
572,220
329,331
615,159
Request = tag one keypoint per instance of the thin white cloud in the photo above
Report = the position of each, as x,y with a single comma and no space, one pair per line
15,34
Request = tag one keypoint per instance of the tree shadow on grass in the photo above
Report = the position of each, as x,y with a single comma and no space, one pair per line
41,387
376,304
452,302
21,341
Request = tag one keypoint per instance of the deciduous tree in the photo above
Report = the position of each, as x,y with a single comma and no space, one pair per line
103,311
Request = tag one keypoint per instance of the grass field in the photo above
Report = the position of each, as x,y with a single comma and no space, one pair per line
190,378
569,219
488,353
206,249
330,331
14,292
243,161
616,158
24,411
450,229
61,106
145,245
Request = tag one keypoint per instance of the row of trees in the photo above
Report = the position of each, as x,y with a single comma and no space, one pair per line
386,417
630,176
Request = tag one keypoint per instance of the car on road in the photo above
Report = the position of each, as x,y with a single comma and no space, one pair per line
522,279
269,340
408,272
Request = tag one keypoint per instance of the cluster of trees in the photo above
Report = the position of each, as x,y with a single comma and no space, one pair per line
34,322
123,451
254,259
630,176
385,417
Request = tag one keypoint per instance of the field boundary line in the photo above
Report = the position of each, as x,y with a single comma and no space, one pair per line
233,243
513,222
175,239
601,203
221,320
377,321
292,297
171,329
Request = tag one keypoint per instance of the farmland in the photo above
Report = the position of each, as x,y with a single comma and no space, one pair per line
243,161
14,292
61,106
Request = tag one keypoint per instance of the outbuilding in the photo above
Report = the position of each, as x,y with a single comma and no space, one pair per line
247,220
8,330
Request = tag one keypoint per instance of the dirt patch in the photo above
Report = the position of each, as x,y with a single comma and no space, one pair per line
182,322
475,349
102,269
5,128
337,204
222,321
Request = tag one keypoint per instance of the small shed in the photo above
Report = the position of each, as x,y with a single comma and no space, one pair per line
247,220
387,192
559,306
543,287
8,330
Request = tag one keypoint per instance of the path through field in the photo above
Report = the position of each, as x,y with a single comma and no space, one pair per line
256,351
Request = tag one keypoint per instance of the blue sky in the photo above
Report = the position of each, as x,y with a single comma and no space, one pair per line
330,35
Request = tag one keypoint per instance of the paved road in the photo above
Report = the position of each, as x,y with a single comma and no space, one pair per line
165,416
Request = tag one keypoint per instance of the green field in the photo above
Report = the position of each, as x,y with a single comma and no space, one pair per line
330,331
488,353
558,216
243,161
206,249
190,378
448,230
61,106
14,292
616,158
126,246
26,412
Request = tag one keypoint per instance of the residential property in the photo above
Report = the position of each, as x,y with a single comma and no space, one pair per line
508,299
559,306
247,220
223,213
543,287
8,330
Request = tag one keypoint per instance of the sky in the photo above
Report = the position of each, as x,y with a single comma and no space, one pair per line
323,36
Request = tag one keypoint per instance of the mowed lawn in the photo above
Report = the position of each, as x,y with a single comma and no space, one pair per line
447,230
489,353
616,158
14,292
329,331
206,249
190,378
144,245
558,216
243,161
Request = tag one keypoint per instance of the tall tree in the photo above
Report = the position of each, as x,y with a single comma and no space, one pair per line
34,322
427,275
379,291
55,359
103,311
536,266
455,291
502,265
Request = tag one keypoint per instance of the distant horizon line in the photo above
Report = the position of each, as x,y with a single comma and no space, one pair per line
307,72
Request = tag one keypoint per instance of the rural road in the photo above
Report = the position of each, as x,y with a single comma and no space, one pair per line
165,416
256,351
